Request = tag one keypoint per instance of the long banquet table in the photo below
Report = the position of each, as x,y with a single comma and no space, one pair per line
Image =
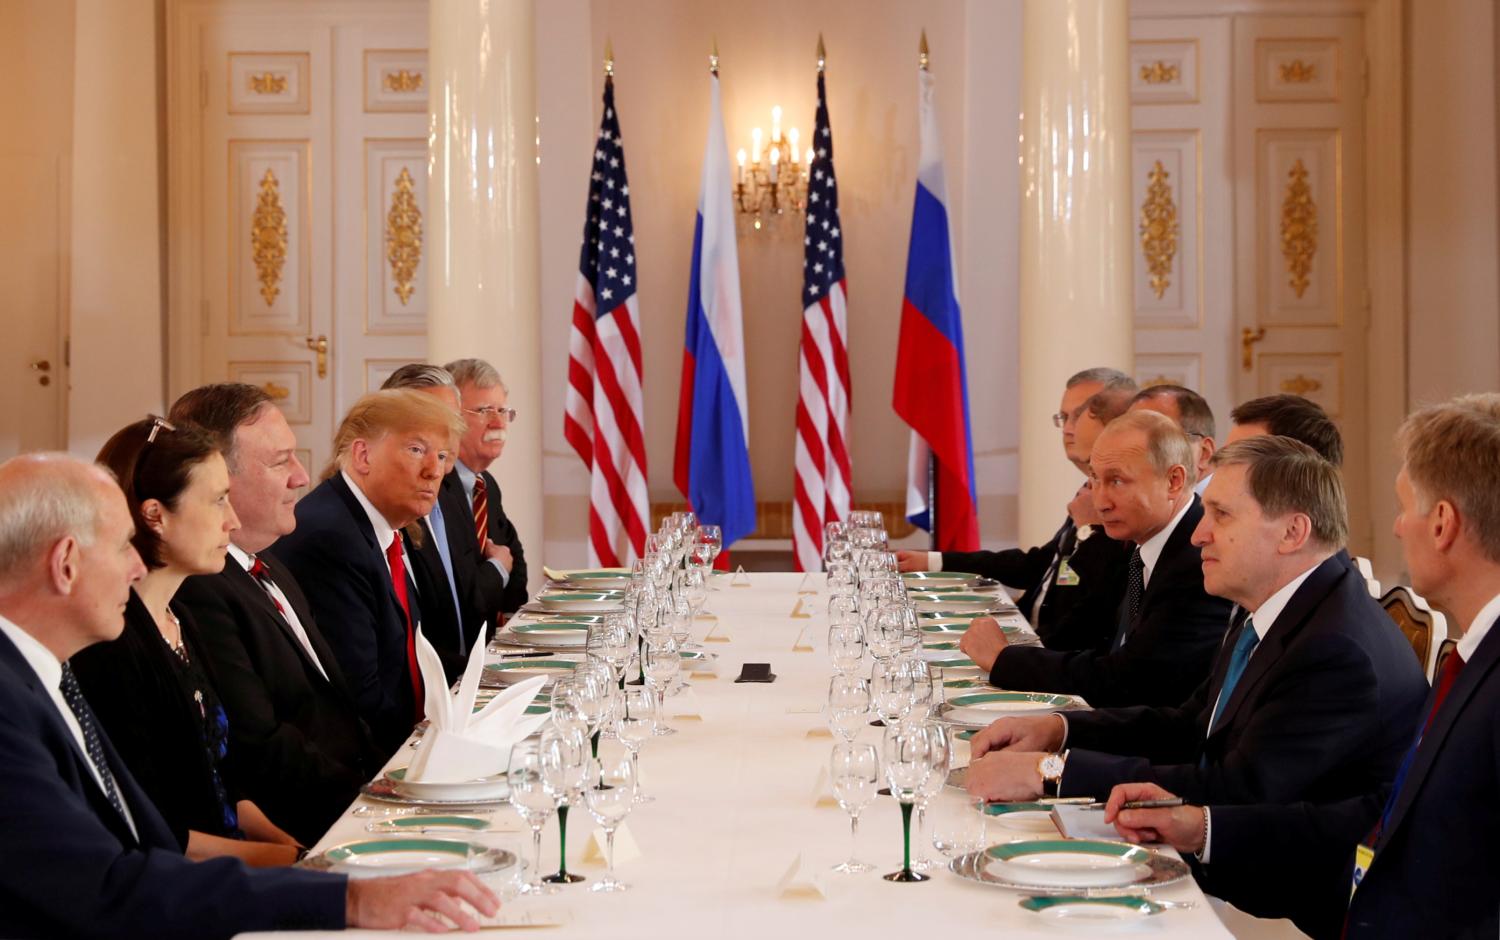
736,806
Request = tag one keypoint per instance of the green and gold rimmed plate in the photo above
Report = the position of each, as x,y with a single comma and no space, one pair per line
960,624
425,823
697,659
372,858
508,673
956,603
552,632
593,579
384,790
1073,909
940,644
595,602
972,682
923,580
943,659
981,708
1069,863
493,787
1034,818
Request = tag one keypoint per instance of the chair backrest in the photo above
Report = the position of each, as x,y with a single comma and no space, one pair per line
1424,628
1362,564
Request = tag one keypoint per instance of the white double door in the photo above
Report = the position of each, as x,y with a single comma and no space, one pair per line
1249,193
299,163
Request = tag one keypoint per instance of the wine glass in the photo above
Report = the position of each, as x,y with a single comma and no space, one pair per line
695,588
848,706
908,763
958,826
564,758
635,723
566,701
883,631
713,537
855,771
535,804
592,681
846,646
941,756
609,801
662,661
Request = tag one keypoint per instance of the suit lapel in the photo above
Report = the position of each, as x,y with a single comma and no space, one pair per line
1475,673
1323,581
362,522
261,600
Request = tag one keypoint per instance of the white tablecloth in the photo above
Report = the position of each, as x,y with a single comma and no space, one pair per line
735,806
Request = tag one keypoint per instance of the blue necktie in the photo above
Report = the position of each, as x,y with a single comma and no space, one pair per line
440,535
1238,660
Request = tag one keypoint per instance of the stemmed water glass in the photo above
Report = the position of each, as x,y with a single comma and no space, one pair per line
958,826
635,723
610,641
663,661
908,757
564,758
535,804
855,771
941,757
883,628
609,801
593,681
713,537
848,706
846,646
891,691
695,589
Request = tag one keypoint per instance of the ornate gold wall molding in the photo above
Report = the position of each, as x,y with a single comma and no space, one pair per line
1160,72
403,80
1158,380
403,235
268,237
1299,228
1300,384
1297,72
277,391
1159,229
268,83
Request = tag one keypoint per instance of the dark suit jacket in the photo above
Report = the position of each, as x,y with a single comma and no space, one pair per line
480,589
1078,616
1325,710
334,556
74,868
132,686
1168,651
502,532
1435,867
298,747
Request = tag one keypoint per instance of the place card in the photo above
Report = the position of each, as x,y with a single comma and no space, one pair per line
718,633
800,644
626,849
799,613
797,884
804,587
822,792
684,706
740,579
819,732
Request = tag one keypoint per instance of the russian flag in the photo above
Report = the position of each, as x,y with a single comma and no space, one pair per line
712,465
931,381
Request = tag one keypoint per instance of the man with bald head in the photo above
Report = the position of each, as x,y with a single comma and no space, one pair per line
99,860
1168,627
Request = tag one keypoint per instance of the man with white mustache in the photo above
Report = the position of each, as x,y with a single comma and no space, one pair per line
487,413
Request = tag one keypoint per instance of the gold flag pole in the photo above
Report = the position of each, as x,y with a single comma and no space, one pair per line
922,55
822,53
609,58
713,59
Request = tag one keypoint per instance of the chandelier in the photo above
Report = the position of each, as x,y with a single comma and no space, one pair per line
774,181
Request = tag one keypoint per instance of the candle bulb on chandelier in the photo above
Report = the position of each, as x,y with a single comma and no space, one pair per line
755,147
776,124
740,158
775,154
791,137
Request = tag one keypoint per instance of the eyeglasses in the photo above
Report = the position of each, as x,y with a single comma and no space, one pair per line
1059,419
486,412
157,426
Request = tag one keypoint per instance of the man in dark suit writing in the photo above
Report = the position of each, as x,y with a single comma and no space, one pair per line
1314,694
99,860
300,749
1419,855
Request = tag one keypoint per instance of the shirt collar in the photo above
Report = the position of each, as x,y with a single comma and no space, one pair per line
1151,549
1265,615
1472,637
244,558
46,666
465,476
383,531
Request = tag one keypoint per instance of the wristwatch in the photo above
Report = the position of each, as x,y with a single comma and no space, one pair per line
1051,768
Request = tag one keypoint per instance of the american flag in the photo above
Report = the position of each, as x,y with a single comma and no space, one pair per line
604,411
822,453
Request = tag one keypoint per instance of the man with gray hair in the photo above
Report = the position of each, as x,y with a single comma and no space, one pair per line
1068,579
1314,698
501,583
99,860
1168,627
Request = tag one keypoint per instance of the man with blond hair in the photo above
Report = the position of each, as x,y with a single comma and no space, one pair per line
1167,627
390,454
1419,854
90,856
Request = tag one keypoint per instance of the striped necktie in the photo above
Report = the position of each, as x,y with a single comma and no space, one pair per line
481,511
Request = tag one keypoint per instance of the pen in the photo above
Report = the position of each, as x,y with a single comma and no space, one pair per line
1141,804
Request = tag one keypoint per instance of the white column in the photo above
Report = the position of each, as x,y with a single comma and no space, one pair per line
1075,228
115,284
483,263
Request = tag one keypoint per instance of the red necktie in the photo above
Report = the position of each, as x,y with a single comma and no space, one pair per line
262,575
481,512
398,582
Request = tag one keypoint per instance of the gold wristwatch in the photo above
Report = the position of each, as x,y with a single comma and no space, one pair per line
1051,769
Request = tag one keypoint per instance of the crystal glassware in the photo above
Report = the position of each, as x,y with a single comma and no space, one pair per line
908,763
535,804
635,724
564,758
663,661
609,801
855,772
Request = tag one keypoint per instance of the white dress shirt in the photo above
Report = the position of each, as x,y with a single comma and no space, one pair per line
288,612
49,670
1472,637
1151,549
467,478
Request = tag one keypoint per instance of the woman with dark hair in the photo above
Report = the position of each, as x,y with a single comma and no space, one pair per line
151,688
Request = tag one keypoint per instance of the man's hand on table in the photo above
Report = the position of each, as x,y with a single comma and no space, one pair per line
1006,776
1181,827
911,561
983,642
426,901
1027,733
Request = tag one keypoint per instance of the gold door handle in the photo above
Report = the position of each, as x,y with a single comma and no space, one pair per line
319,344
41,365
1248,339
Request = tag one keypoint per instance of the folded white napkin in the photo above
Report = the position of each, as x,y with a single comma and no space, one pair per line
461,744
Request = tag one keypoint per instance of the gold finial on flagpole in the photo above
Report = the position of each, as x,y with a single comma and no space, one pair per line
609,57
822,53
922,52
713,59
